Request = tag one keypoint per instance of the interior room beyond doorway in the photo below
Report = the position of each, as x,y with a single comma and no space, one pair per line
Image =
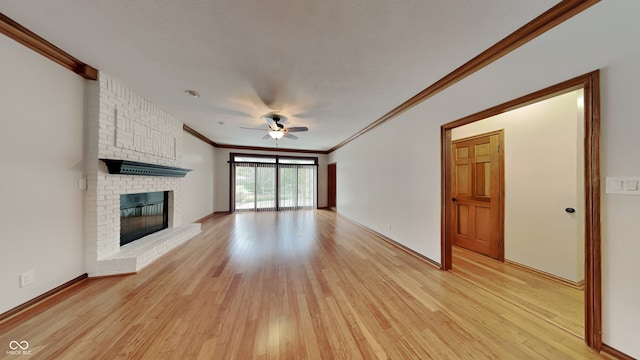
543,182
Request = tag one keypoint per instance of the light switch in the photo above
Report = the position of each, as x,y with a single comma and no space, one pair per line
631,185
623,185
616,185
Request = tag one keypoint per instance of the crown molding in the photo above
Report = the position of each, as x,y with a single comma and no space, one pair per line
198,135
549,19
260,148
536,27
36,43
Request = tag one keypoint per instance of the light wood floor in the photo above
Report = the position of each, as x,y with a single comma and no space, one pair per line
557,303
289,285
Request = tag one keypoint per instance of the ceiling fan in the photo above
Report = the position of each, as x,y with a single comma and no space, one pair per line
276,129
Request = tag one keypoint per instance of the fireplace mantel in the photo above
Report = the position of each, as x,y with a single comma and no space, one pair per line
126,167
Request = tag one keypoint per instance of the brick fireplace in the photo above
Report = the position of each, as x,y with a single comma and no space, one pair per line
121,125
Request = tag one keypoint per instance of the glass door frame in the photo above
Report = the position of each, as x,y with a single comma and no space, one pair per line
276,160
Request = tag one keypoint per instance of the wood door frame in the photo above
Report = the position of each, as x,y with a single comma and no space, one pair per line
590,83
332,186
501,196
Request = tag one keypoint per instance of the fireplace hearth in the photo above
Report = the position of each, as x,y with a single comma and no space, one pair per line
143,214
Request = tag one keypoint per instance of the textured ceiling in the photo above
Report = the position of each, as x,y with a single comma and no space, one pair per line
334,66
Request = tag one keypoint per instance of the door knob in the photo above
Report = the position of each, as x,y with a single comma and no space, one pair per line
454,199
570,210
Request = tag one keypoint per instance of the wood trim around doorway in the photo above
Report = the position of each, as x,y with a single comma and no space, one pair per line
590,83
332,182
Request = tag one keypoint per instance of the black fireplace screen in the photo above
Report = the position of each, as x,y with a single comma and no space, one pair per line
142,214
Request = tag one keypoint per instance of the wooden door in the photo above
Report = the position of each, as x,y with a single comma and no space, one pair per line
476,191
331,186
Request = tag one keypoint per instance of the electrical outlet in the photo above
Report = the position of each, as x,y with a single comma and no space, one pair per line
389,227
27,278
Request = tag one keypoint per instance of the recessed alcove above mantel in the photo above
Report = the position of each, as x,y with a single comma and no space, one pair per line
127,167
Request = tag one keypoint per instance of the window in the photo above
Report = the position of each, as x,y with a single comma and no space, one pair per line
255,159
261,183
303,161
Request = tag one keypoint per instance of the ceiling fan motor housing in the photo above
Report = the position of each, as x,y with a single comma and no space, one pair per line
275,118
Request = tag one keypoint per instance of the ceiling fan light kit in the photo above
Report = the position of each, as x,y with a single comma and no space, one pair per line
276,134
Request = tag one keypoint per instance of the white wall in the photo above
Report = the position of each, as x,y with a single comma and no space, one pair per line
41,140
541,177
375,188
198,185
621,239
389,181
221,174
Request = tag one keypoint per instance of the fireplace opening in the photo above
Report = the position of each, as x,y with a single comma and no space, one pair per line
143,214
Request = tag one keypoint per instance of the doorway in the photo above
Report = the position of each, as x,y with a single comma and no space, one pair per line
544,257
589,83
331,186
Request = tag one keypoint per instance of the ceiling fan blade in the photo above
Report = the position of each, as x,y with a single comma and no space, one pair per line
230,111
297,129
248,128
270,122
266,137
289,136
268,91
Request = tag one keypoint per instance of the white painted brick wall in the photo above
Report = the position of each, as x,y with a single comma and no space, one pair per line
124,126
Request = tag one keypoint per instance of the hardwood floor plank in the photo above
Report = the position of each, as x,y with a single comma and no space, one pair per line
292,285
555,302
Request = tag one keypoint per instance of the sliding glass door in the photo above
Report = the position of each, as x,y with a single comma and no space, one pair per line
255,186
262,183
297,186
